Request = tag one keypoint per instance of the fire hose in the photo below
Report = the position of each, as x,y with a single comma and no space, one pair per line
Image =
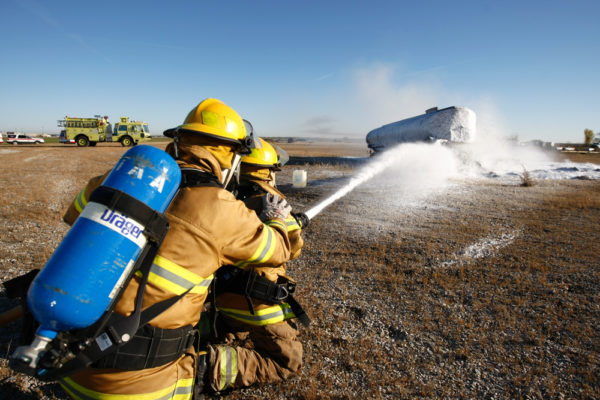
11,315
16,288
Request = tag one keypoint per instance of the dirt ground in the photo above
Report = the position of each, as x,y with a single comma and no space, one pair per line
325,148
488,290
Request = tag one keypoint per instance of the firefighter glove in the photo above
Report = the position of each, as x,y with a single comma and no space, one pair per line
274,207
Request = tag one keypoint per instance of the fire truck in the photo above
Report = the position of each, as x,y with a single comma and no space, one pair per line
89,131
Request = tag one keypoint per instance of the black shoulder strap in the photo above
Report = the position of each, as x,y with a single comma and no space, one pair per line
155,223
247,191
156,227
191,177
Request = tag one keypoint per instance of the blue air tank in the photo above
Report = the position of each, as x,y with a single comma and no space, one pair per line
92,262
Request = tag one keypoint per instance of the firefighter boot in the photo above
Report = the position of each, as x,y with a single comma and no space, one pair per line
205,361
201,375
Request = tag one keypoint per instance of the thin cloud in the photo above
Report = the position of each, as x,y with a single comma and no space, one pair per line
40,12
326,76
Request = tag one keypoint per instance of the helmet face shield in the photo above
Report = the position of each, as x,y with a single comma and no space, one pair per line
249,128
282,156
247,144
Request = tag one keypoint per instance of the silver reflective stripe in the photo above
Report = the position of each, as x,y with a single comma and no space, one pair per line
81,201
205,283
228,369
228,380
268,245
171,277
184,390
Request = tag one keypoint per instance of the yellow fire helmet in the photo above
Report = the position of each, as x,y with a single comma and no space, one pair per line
263,155
215,119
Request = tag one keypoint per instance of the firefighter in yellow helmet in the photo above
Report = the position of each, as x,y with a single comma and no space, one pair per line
209,228
256,303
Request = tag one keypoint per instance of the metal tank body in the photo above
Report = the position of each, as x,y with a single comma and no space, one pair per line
454,124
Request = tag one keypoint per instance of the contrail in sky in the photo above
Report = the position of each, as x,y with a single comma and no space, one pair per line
39,11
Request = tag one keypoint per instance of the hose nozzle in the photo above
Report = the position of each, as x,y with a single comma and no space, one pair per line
302,219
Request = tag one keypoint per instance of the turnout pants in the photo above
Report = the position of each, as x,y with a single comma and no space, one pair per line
253,354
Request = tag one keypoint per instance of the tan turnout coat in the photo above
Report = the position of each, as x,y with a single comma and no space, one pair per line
235,305
209,228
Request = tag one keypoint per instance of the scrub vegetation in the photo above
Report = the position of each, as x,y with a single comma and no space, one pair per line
487,290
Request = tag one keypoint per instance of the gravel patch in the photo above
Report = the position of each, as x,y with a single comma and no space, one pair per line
479,288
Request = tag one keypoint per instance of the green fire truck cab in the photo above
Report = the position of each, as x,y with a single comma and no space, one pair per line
89,131
130,132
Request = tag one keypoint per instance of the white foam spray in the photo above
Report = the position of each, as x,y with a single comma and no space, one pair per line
369,171
497,152
417,167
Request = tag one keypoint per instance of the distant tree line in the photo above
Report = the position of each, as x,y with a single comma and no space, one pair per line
589,136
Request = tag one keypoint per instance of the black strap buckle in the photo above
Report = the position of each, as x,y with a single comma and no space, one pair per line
192,177
283,291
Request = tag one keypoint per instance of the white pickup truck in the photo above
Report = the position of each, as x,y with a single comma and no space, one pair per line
19,138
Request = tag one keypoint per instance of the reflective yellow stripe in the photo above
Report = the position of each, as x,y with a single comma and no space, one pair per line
80,201
229,369
176,279
292,224
277,223
266,316
181,390
264,251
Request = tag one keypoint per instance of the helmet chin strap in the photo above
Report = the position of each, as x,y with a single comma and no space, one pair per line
234,170
273,181
175,145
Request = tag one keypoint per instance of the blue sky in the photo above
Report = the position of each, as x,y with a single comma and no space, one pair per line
299,68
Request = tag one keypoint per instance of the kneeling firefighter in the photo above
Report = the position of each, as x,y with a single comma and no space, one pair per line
254,303
209,228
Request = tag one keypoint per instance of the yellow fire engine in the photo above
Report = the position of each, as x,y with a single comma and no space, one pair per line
89,131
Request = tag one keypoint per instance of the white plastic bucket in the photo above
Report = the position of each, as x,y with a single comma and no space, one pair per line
299,178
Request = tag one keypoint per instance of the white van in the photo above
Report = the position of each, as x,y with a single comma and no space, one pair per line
19,138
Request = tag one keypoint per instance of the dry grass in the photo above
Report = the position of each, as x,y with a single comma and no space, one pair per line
319,148
582,157
526,179
487,291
